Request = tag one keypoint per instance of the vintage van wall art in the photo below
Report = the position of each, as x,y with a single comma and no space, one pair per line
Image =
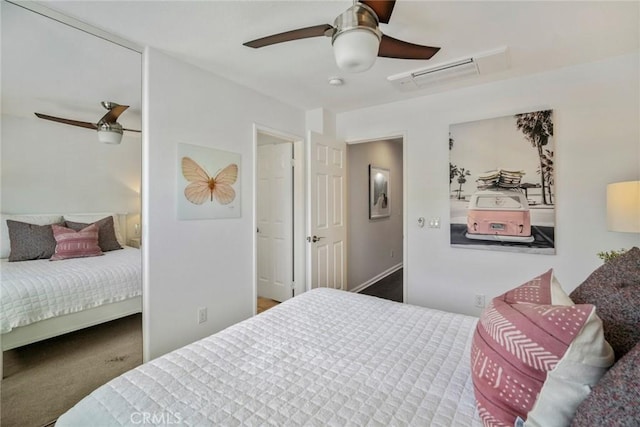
502,183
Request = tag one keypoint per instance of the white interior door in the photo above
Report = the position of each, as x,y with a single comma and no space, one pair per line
327,204
275,221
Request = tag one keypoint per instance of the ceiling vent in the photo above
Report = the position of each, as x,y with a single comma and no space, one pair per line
480,64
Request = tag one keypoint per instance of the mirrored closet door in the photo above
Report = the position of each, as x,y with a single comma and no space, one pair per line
72,168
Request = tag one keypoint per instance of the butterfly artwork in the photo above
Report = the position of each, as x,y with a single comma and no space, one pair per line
208,183
202,187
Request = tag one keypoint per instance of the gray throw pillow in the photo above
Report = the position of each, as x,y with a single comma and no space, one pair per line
613,402
30,241
106,233
614,289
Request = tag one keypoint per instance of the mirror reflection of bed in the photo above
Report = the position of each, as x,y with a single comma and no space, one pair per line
71,324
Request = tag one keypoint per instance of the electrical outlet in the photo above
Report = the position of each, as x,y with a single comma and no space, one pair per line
392,253
478,301
202,314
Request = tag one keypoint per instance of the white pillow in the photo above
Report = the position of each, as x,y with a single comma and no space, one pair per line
558,295
37,219
88,218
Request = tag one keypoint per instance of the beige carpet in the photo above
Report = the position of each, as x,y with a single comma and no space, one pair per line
43,380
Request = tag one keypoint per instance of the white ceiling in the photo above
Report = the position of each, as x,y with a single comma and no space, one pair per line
540,35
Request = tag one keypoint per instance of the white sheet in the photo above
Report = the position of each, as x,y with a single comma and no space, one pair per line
324,358
41,289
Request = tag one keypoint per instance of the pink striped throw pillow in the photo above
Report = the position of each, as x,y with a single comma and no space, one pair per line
535,355
75,244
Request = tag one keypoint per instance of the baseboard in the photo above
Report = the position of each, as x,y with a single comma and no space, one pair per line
377,278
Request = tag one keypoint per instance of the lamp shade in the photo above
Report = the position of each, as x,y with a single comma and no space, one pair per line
356,50
623,206
110,136
109,133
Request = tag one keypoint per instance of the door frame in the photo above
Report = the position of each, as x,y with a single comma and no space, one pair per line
405,200
299,208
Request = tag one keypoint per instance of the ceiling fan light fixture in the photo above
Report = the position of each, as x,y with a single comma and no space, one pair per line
356,50
110,133
356,39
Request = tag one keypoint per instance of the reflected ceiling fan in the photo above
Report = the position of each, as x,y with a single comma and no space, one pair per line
109,130
356,37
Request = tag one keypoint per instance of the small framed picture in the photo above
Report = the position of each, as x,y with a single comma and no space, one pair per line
379,198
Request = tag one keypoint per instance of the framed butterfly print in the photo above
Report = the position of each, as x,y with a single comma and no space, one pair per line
208,183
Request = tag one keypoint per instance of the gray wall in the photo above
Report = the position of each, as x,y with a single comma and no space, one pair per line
371,242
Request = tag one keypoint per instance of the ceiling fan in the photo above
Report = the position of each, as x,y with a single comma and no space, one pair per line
109,130
356,37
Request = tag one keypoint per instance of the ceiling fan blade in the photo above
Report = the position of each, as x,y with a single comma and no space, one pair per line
394,48
68,121
131,130
382,8
301,33
113,114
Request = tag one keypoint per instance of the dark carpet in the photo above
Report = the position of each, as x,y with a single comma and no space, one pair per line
389,287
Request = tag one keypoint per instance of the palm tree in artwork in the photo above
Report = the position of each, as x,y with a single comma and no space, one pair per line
537,128
453,172
462,174
546,169
453,169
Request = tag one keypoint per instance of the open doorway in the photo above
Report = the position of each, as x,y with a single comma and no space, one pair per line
375,241
279,260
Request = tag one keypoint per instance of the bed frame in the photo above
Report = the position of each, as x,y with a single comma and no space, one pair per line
55,326
59,325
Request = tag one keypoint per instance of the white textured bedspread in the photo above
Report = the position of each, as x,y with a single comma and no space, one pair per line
41,289
324,358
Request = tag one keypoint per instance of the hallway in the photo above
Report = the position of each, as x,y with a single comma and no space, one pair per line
388,288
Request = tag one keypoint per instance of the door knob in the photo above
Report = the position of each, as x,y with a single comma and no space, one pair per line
314,238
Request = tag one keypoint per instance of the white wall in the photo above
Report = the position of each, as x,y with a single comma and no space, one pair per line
199,263
371,241
55,69
52,168
597,139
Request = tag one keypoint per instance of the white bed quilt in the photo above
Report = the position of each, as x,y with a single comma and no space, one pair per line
41,289
324,358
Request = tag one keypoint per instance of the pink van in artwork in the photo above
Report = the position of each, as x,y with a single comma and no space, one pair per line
499,214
